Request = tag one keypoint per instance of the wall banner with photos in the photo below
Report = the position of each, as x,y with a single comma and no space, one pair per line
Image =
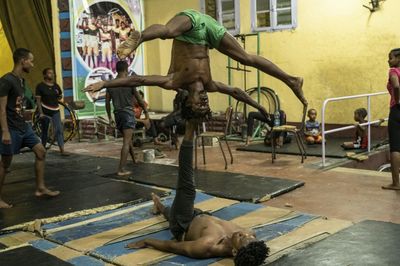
97,29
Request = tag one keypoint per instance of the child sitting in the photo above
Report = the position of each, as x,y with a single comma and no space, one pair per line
312,128
361,141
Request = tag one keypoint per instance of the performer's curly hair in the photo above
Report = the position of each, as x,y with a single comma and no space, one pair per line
253,254
188,113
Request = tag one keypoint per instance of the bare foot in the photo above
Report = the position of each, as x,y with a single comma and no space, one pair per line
391,187
4,205
297,88
130,45
122,173
46,192
248,140
158,207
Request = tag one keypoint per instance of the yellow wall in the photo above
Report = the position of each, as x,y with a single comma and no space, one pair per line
339,47
56,42
6,62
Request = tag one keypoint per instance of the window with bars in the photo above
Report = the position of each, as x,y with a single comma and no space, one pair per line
225,12
273,14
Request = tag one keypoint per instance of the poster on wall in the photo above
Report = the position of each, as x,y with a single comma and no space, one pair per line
97,29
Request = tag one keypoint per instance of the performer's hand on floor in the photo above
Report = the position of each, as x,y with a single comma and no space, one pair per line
94,87
138,244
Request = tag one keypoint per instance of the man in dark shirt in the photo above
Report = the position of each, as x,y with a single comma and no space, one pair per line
15,132
124,117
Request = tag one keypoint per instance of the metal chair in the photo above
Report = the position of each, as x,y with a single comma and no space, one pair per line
77,105
219,136
296,133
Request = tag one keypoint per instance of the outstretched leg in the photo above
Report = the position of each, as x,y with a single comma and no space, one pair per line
230,47
239,95
175,27
182,209
127,138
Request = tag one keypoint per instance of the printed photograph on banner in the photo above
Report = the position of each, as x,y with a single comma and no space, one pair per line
100,29
98,74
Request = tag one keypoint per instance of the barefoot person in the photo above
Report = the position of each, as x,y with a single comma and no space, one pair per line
189,70
393,87
193,27
198,234
15,132
123,113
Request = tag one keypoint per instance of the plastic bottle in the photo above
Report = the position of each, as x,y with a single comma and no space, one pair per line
277,119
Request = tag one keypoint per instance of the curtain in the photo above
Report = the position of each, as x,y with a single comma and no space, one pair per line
27,23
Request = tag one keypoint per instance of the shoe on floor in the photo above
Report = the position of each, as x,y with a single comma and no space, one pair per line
159,154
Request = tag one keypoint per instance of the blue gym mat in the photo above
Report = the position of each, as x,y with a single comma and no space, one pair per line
67,234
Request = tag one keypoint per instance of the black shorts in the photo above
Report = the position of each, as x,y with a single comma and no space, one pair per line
124,120
178,231
19,140
394,128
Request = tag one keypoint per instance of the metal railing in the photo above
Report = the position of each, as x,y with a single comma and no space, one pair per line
326,132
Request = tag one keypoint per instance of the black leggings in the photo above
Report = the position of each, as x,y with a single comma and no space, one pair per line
151,131
182,211
171,120
394,128
250,121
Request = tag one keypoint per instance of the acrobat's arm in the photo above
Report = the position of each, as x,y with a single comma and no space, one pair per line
164,82
200,248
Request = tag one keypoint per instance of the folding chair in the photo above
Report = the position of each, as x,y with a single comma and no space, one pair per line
296,133
219,136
